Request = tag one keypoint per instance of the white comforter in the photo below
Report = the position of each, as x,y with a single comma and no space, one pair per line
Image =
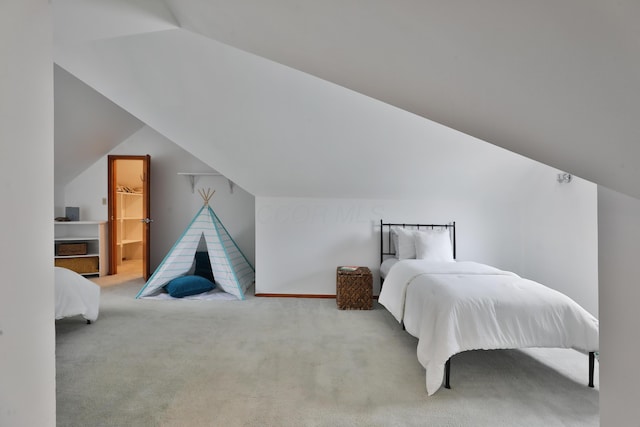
75,295
459,306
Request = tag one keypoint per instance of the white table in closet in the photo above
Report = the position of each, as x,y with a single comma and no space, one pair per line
129,217
94,235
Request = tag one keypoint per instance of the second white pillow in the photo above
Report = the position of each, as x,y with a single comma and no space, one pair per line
433,245
406,248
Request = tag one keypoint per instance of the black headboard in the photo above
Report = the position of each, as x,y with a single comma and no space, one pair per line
385,226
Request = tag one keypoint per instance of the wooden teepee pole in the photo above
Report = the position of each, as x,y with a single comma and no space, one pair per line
206,195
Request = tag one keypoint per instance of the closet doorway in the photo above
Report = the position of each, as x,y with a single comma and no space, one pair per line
129,214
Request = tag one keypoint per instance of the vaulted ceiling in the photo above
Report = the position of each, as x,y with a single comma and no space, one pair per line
554,81
82,115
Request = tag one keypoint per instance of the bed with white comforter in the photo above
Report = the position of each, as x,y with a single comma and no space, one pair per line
452,307
75,295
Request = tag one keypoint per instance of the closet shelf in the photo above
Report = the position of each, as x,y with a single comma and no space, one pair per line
129,228
193,178
129,241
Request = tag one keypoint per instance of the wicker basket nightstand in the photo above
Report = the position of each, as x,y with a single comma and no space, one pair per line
354,288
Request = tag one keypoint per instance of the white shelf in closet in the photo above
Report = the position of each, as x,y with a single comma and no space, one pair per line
129,217
130,241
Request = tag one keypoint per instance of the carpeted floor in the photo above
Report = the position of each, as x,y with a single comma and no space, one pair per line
293,362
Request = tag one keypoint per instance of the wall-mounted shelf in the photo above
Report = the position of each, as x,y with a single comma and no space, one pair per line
193,178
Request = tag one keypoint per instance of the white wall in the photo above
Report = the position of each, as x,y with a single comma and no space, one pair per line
560,235
27,348
619,247
173,205
58,199
300,241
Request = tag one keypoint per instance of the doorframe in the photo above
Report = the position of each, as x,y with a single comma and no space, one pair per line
111,214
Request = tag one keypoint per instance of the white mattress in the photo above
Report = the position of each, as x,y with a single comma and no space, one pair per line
458,306
75,295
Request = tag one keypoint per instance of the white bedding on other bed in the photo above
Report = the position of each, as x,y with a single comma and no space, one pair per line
75,295
457,306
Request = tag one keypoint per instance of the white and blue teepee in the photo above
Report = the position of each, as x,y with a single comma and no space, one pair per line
232,272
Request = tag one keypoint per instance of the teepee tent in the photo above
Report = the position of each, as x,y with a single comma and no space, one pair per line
231,270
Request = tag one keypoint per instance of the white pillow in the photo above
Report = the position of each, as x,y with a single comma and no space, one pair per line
394,240
434,245
406,247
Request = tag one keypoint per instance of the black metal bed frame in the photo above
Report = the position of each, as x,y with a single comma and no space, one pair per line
452,229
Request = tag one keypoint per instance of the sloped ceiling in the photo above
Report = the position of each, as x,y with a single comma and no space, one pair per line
86,126
81,21
555,82
558,82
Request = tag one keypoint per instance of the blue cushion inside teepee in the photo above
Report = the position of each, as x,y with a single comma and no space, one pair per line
184,286
203,265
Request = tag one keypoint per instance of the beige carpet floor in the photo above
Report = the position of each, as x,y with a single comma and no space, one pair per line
292,362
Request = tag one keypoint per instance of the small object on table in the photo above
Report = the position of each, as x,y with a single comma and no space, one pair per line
354,288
